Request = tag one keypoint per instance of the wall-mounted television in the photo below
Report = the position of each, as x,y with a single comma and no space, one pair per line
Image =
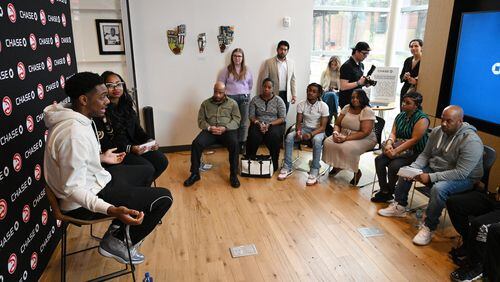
471,73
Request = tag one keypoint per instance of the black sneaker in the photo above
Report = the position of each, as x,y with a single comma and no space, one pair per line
192,179
235,183
469,273
381,197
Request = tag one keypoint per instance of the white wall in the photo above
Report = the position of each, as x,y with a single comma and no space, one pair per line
84,13
175,85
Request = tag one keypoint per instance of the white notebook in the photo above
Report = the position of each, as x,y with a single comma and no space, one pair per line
409,172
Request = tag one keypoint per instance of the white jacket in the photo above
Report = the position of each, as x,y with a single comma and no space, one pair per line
72,164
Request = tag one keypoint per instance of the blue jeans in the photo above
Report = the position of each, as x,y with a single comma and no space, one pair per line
440,192
243,101
317,142
332,100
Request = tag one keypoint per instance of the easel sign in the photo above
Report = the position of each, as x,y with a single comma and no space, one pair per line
387,81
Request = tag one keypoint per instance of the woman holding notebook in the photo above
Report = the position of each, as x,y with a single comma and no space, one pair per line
120,128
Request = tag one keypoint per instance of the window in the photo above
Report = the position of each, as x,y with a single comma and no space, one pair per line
411,26
339,24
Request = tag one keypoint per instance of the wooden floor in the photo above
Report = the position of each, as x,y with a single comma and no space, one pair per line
301,233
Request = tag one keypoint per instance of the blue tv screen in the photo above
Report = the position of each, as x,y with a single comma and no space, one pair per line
476,77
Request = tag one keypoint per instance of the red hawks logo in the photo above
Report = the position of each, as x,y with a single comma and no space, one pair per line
17,162
58,222
29,123
40,91
45,217
62,80
33,43
43,18
21,71
34,260
63,19
38,172
26,213
68,59
12,263
7,105
56,40
49,63
3,209
11,11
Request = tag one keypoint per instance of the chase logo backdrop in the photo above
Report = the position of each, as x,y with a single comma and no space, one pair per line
36,57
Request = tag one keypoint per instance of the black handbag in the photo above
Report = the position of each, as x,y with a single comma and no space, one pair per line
257,166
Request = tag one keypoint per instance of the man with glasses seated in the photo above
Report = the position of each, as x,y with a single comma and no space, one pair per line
351,73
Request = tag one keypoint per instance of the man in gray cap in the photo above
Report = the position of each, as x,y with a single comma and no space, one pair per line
351,73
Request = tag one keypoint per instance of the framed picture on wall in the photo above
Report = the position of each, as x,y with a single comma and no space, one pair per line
110,37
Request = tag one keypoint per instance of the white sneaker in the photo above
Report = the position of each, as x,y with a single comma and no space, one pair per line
393,210
311,180
423,237
284,173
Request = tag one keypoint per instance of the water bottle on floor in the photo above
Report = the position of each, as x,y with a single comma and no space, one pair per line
419,215
147,278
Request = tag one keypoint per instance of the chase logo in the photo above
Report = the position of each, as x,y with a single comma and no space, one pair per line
495,69
11,12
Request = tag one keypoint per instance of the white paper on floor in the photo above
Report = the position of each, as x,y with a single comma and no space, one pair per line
370,231
243,251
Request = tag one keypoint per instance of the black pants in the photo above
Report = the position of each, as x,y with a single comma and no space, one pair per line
285,99
468,213
154,159
492,262
131,174
387,170
123,190
272,138
344,99
205,139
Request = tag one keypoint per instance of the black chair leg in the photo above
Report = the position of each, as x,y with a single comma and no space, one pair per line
92,234
63,254
127,228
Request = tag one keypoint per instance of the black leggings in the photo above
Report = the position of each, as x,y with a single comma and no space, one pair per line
155,159
272,138
387,171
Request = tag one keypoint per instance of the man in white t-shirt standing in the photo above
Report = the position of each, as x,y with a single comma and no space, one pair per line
312,117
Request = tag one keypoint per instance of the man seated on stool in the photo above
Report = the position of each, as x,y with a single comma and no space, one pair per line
84,188
312,117
452,161
218,118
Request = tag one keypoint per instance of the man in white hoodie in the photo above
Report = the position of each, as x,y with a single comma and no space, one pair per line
452,161
85,190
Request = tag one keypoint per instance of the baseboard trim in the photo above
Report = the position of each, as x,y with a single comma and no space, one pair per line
173,149
179,148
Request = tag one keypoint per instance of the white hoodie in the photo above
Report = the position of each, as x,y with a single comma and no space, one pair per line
72,164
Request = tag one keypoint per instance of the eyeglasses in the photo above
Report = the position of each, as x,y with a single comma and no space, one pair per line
237,56
366,53
115,85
